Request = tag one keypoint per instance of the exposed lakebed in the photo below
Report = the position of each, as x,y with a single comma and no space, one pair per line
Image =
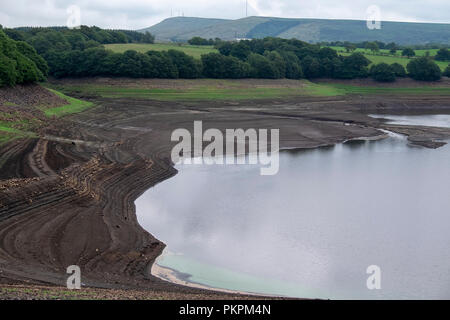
313,229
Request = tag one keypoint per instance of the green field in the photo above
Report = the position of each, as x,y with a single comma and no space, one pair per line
375,90
240,90
215,90
194,51
10,130
374,58
73,106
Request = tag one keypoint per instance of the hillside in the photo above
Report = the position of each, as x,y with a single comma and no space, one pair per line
312,30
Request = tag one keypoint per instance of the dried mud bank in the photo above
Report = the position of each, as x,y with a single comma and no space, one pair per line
68,197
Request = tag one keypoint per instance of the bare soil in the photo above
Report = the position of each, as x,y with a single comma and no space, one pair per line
67,197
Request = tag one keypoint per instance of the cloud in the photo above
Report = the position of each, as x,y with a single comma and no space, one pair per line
136,14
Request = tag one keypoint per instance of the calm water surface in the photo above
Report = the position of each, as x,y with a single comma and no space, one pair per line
314,228
437,120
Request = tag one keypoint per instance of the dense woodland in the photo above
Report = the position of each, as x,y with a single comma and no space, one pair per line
19,62
30,54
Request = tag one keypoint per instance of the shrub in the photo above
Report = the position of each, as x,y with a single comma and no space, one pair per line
447,71
398,69
382,72
219,66
261,67
424,68
443,55
408,52
186,65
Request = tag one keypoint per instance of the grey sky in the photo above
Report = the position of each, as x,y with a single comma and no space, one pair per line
136,14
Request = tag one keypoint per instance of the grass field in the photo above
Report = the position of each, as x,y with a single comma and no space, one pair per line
195,51
214,90
392,59
375,90
9,130
73,106
241,90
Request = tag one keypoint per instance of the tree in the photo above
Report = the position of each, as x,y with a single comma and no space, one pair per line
240,50
15,66
219,66
130,64
423,68
327,53
311,67
393,51
198,41
148,37
224,48
353,66
293,68
442,55
165,68
278,62
408,52
349,47
447,71
391,45
261,67
372,46
51,40
398,69
31,54
382,72
8,74
186,65
76,40
15,34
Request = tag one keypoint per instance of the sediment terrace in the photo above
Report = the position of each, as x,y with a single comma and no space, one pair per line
67,196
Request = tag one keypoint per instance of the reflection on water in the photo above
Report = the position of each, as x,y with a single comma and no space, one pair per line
314,228
437,120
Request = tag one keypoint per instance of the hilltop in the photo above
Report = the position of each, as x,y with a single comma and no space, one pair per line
311,30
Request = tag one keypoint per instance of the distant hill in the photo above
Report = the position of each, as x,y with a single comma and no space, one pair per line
311,30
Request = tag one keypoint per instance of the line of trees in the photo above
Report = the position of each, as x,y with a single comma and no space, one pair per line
102,36
422,68
198,41
270,58
69,54
45,39
381,45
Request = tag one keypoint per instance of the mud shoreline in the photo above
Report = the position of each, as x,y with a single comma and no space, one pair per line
68,196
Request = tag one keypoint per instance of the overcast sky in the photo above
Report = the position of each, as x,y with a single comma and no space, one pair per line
137,14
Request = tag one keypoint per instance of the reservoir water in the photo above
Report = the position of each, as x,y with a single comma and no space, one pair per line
313,229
